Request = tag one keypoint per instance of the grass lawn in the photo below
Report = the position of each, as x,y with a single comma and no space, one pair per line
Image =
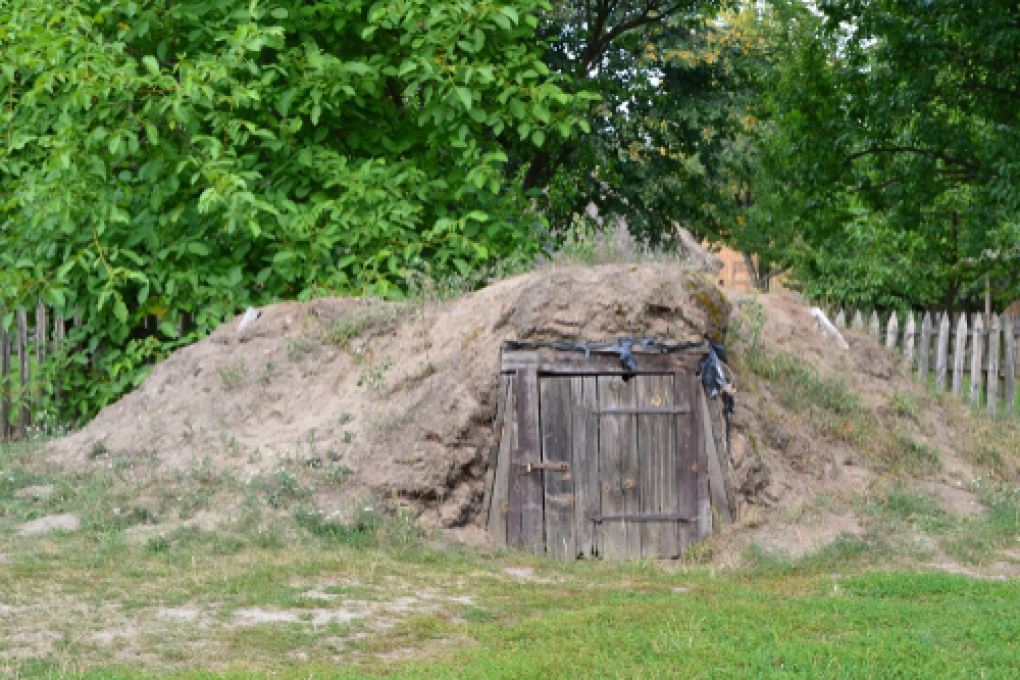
147,586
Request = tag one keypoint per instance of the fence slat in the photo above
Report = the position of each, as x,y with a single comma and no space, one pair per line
875,328
41,345
1009,365
924,349
841,319
976,357
858,324
58,341
942,353
959,355
892,333
908,343
994,347
23,369
5,376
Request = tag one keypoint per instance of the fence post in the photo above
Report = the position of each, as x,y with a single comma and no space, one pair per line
942,353
5,379
40,354
1009,391
908,343
892,333
23,368
58,343
976,352
858,323
994,341
924,350
874,328
959,355
840,319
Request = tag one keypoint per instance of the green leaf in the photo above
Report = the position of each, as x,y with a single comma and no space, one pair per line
465,97
151,64
283,104
510,12
538,137
169,329
120,310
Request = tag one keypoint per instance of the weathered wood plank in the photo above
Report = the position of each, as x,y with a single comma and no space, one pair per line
614,431
697,441
575,363
976,354
892,333
529,452
858,323
5,377
655,447
841,319
58,345
909,336
630,468
959,355
1009,363
498,429
716,478
24,370
41,345
994,348
687,434
722,447
942,354
515,493
585,462
557,436
669,539
874,327
923,353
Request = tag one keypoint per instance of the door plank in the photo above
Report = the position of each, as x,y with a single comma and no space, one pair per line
657,460
556,421
501,471
686,461
613,432
716,479
630,469
584,467
529,451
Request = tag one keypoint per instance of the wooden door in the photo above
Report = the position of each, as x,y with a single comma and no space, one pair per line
614,472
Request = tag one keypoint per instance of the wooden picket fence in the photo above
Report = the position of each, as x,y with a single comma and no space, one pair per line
951,350
32,334
38,333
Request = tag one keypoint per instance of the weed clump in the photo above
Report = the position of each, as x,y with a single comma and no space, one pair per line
234,375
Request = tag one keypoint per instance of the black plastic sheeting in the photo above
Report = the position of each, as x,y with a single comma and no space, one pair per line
714,380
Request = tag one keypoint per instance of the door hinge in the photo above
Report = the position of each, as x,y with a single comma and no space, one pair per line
555,467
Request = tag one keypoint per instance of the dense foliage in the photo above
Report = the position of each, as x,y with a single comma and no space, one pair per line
890,173
196,157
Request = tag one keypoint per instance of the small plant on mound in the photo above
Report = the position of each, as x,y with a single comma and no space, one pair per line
358,323
234,375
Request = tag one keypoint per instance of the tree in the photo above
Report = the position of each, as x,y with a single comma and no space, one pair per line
670,75
193,157
892,158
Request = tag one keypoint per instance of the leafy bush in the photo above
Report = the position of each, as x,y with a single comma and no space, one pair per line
181,163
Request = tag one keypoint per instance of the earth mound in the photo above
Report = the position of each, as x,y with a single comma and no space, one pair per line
401,395
396,401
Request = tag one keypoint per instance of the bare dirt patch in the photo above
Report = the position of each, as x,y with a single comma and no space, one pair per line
45,525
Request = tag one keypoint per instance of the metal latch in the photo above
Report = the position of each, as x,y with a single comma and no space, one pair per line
556,467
